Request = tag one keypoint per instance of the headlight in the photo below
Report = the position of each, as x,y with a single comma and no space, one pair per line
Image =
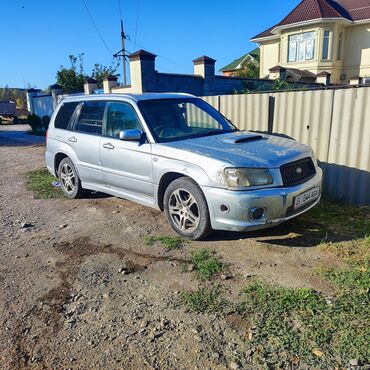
243,177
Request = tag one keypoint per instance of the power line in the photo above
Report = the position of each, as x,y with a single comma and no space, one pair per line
137,21
135,43
159,65
159,56
96,28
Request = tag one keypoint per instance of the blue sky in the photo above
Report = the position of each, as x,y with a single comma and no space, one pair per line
38,35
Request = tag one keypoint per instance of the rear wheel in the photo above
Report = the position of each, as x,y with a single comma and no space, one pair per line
186,209
69,181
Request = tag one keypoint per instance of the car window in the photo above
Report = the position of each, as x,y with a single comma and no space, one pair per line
90,119
182,118
120,117
198,118
64,115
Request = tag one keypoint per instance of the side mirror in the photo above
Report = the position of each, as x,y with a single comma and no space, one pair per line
130,135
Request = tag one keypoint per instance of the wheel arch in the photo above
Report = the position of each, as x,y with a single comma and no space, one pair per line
57,159
171,170
61,151
166,180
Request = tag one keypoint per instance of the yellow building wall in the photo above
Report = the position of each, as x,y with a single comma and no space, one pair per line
355,58
269,56
357,51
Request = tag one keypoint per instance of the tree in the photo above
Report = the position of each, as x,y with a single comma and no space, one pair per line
99,72
72,79
16,95
280,84
250,69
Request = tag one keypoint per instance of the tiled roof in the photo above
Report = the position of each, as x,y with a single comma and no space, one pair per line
293,71
55,86
323,74
204,60
306,10
90,80
311,9
234,64
301,73
265,33
357,9
142,55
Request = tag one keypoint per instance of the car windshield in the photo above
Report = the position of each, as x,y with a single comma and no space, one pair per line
182,118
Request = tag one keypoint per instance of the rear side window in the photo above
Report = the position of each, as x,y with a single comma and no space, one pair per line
64,115
90,120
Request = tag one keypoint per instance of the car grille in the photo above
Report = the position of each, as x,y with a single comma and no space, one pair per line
297,172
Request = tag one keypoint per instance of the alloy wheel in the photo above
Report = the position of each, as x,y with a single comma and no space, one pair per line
183,210
68,178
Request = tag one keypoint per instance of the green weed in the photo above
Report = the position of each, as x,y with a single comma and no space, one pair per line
203,300
40,182
338,218
292,323
170,242
355,254
206,264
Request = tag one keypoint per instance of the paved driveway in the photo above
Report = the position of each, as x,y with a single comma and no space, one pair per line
17,135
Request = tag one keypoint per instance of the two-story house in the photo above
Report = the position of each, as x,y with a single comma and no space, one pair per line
320,38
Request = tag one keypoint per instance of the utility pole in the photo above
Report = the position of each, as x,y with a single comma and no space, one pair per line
123,54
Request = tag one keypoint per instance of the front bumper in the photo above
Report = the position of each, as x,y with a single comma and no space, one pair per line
277,203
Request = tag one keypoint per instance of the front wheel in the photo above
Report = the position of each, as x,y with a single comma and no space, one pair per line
186,209
69,180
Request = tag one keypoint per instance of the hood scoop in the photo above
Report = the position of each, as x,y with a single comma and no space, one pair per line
243,138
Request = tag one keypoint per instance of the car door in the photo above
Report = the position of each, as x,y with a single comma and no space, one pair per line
127,165
85,140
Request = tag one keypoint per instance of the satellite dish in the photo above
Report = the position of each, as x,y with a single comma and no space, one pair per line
343,77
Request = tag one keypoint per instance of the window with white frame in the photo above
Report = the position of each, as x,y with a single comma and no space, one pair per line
326,45
301,46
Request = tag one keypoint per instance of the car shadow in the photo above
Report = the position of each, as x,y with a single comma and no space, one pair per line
97,195
293,233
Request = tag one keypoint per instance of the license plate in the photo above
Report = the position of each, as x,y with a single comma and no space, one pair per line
306,197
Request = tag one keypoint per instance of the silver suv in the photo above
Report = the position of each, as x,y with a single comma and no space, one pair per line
177,153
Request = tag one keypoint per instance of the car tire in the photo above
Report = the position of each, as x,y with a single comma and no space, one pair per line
186,209
69,181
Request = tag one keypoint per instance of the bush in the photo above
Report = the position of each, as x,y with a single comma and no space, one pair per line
45,122
35,122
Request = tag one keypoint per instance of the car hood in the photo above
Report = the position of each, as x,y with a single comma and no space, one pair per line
241,148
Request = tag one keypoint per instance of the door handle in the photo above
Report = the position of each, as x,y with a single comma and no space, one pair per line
108,146
72,139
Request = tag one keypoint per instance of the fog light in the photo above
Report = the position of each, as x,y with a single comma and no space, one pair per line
224,208
256,213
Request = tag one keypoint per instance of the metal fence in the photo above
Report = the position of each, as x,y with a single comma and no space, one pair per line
335,123
42,105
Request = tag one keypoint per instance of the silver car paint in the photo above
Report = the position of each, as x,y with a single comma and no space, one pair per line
127,166
138,177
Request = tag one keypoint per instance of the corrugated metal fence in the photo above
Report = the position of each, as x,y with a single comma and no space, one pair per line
335,123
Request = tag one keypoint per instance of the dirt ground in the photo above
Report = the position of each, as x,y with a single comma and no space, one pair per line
64,302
